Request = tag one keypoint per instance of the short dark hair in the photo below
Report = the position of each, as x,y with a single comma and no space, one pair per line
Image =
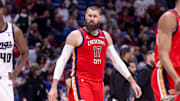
150,52
94,8
124,51
172,3
1,4
33,68
23,7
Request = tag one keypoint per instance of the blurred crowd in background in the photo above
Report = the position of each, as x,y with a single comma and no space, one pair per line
47,23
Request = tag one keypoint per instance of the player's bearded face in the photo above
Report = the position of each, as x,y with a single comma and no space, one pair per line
91,25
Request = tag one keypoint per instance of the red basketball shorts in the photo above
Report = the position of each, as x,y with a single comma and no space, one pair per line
85,90
161,83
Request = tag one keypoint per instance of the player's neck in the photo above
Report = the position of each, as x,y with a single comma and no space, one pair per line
93,33
177,8
2,23
149,63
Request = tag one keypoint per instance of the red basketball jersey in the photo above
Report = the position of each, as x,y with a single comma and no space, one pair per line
89,58
175,47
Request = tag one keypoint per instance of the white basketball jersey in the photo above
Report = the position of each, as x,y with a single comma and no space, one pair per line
6,49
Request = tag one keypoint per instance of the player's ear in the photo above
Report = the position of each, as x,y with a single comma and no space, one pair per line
99,17
85,15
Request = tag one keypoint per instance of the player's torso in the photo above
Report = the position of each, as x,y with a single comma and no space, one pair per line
175,46
90,58
6,48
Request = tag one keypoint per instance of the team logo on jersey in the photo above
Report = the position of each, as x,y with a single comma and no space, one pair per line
9,84
95,41
101,37
5,45
87,37
8,33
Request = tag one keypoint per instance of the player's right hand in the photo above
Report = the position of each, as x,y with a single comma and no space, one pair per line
52,95
12,76
137,90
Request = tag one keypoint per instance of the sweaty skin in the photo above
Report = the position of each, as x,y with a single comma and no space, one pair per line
24,53
167,24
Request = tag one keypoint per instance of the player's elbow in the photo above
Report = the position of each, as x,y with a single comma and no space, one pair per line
163,55
25,54
114,62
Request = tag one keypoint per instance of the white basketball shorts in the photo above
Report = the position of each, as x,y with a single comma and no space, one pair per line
6,89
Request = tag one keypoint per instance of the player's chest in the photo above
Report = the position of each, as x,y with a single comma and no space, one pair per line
94,45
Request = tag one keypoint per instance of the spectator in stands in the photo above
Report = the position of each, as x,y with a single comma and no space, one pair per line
23,20
118,82
41,14
41,60
119,4
147,20
73,11
4,2
71,25
125,15
140,7
110,8
48,4
68,84
57,24
68,3
21,3
7,16
63,12
46,48
150,2
33,29
107,76
144,78
33,39
124,20
34,88
132,69
52,41
10,8
113,19
33,53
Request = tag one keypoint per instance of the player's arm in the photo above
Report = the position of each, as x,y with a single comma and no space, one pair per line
120,66
71,42
167,24
21,44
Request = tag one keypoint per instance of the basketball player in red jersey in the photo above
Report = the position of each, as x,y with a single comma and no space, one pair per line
90,45
165,78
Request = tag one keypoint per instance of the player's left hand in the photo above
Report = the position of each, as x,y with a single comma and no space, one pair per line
12,76
137,90
174,92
